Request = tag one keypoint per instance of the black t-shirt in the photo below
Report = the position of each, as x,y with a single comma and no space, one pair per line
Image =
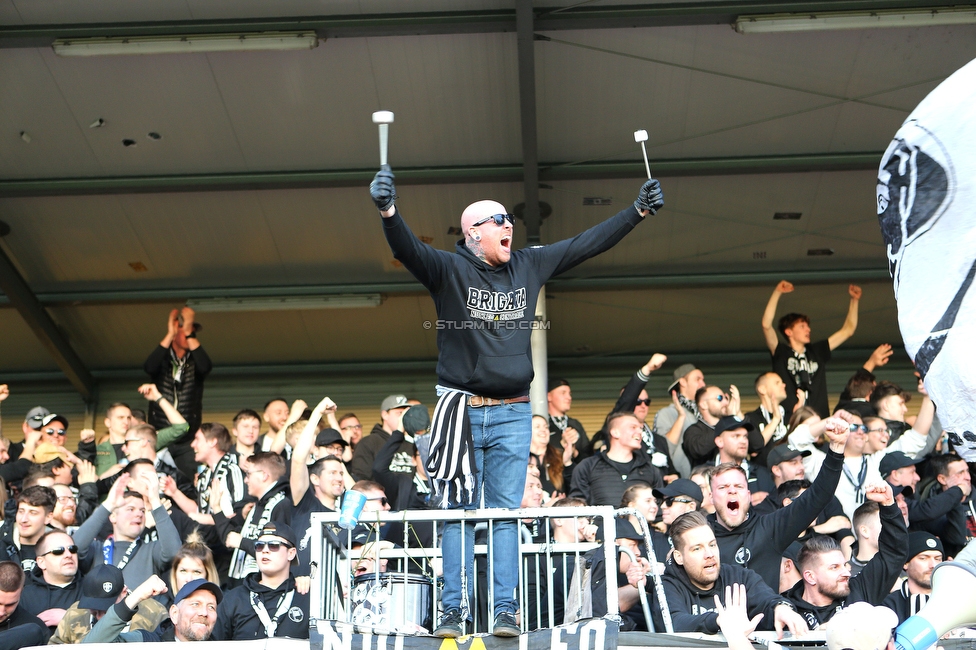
624,468
699,443
301,517
808,371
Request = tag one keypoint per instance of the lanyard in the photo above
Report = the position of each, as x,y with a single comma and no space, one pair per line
108,551
271,624
859,485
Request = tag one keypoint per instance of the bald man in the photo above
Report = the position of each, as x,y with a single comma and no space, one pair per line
485,295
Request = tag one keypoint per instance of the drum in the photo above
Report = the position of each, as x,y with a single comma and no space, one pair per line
392,603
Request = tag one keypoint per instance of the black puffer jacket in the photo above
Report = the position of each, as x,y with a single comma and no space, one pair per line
189,399
599,483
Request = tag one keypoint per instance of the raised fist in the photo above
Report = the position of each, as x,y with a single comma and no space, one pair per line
382,189
650,197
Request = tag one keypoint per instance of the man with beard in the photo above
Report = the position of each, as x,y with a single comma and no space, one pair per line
63,518
924,553
267,605
697,575
827,584
757,541
54,584
193,613
563,428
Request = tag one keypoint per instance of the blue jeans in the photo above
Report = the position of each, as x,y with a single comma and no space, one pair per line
502,435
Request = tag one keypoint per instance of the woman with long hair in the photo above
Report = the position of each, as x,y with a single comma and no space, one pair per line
555,464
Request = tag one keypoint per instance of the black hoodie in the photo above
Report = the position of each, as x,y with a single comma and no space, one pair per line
237,620
758,543
693,609
873,584
39,596
486,313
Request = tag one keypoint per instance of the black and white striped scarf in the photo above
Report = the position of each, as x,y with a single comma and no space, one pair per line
450,458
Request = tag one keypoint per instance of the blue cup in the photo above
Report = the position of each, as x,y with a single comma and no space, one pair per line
352,507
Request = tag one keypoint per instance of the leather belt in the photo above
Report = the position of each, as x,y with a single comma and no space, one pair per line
477,401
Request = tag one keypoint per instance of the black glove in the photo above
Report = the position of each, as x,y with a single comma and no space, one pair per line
382,189
649,198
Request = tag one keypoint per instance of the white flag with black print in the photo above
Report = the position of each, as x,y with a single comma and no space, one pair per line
927,208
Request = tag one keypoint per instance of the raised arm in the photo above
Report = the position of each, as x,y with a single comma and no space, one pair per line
278,442
769,332
850,323
879,357
151,393
299,455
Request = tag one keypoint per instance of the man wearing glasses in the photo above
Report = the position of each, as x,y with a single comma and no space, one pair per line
54,584
267,605
351,429
485,294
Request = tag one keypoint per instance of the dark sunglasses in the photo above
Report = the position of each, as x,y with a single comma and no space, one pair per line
61,549
645,402
383,501
858,428
274,547
670,501
54,432
499,220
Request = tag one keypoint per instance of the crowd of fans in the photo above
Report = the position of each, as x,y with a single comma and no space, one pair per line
174,528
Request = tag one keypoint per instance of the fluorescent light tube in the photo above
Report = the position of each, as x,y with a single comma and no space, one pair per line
185,44
822,21
341,301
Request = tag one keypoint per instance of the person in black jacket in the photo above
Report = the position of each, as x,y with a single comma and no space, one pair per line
267,605
178,367
18,627
602,479
697,575
757,541
264,478
54,584
827,584
634,399
561,426
924,553
485,295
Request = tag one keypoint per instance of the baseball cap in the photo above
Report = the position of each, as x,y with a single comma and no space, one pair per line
54,417
101,587
626,530
394,402
416,419
679,372
861,626
728,423
921,541
782,453
197,585
681,487
894,460
278,529
35,416
46,452
329,437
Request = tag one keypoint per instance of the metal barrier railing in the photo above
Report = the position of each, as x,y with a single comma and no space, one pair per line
384,587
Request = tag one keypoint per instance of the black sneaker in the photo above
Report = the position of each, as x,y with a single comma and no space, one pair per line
451,625
505,625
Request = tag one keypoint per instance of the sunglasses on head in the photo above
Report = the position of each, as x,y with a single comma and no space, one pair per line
670,501
274,547
54,432
383,501
645,402
499,220
61,549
